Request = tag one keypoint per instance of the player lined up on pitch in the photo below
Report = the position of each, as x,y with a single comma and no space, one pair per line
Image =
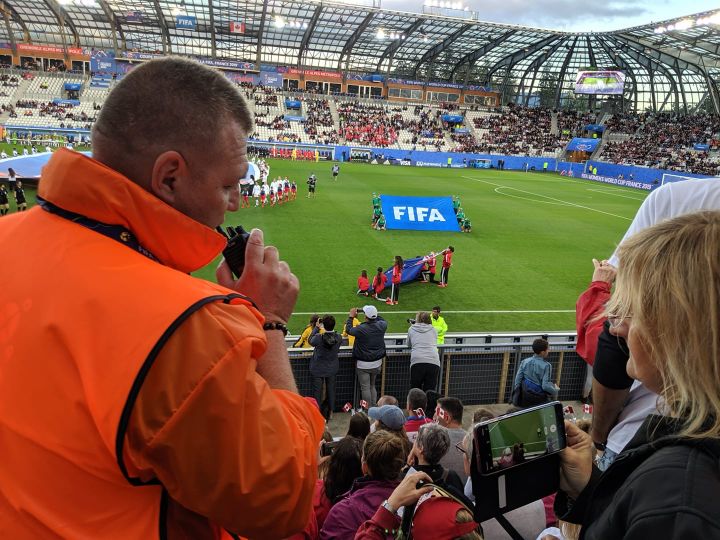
277,192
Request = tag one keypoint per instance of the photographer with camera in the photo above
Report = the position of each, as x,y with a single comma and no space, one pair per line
424,357
324,363
368,349
131,382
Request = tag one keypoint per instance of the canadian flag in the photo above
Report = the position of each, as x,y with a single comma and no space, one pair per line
237,27
587,409
363,404
569,410
347,407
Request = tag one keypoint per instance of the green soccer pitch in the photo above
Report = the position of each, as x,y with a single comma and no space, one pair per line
521,269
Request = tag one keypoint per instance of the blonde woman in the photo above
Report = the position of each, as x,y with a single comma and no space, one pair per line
666,304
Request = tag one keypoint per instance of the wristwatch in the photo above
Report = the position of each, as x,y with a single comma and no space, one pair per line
599,446
387,506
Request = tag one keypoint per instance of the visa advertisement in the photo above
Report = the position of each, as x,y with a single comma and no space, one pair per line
419,213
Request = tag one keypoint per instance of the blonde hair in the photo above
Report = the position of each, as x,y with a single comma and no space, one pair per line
423,317
463,516
669,283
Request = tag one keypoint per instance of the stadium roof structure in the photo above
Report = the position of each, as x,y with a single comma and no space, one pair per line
672,65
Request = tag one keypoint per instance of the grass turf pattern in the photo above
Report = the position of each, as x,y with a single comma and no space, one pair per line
521,269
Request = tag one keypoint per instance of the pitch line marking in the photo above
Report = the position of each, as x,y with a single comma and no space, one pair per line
499,192
608,192
546,197
487,312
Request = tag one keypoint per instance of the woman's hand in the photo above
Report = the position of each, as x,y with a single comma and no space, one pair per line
407,491
604,271
576,461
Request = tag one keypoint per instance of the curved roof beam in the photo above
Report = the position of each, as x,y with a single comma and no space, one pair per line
308,33
261,31
167,44
563,70
63,18
513,58
114,24
7,8
350,43
712,48
396,44
435,51
628,69
650,63
591,52
474,56
211,16
535,66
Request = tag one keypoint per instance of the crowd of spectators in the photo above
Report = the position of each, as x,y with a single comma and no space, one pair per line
59,111
517,131
366,124
319,123
665,141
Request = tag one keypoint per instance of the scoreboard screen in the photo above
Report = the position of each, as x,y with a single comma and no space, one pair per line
604,83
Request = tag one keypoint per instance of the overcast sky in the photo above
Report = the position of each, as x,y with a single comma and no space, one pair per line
574,15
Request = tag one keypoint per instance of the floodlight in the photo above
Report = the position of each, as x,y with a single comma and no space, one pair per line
279,22
660,30
684,24
305,25
380,34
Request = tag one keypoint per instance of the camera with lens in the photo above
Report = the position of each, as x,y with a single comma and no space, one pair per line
411,321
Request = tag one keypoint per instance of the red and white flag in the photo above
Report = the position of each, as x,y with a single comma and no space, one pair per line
587,409
363,404
237,27
347,407
568,410
439,413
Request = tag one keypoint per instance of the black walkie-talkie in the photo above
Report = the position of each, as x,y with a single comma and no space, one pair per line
234,252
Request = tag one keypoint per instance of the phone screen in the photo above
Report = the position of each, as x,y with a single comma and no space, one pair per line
520,437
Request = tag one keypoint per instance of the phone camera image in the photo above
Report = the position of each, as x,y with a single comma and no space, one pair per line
515,439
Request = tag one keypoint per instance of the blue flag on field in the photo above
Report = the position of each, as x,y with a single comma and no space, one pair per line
411,270
419,213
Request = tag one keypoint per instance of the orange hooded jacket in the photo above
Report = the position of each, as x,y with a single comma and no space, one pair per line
79,336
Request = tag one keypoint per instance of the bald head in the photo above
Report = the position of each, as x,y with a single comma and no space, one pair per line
169,104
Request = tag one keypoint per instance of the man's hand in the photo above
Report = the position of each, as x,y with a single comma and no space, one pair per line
353,313
407,491
604,271
576,461
266,279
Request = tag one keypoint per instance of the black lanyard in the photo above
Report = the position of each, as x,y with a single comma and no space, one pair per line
116,232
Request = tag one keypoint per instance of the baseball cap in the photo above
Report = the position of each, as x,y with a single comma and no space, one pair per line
370,311
390,415
435,518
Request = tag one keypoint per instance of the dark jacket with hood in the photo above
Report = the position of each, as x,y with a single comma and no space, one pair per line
660,486
324,361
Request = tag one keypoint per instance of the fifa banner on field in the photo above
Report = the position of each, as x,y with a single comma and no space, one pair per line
419,213
617,181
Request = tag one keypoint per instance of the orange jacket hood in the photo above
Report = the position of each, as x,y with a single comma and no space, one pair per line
85,186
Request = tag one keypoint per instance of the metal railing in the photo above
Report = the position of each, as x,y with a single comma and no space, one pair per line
475,373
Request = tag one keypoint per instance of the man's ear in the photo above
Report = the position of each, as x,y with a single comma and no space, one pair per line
168,172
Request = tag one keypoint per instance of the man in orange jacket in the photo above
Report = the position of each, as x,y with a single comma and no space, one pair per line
137,401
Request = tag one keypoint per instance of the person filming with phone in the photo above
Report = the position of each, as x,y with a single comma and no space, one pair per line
664,483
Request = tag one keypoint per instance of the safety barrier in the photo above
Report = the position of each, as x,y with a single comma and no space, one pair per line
476,374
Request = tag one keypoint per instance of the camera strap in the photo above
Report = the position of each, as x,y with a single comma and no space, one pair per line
502,520
116,232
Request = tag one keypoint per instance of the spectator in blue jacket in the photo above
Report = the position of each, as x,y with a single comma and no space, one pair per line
536,371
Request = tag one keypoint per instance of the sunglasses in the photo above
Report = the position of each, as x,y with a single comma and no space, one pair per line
459,448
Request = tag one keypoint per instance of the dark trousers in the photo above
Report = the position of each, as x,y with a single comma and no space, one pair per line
429,276
395,292
317,386
424,376
444,275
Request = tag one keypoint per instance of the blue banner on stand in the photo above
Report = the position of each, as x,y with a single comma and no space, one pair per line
702,147
419,213
292,103
582,144
452,118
